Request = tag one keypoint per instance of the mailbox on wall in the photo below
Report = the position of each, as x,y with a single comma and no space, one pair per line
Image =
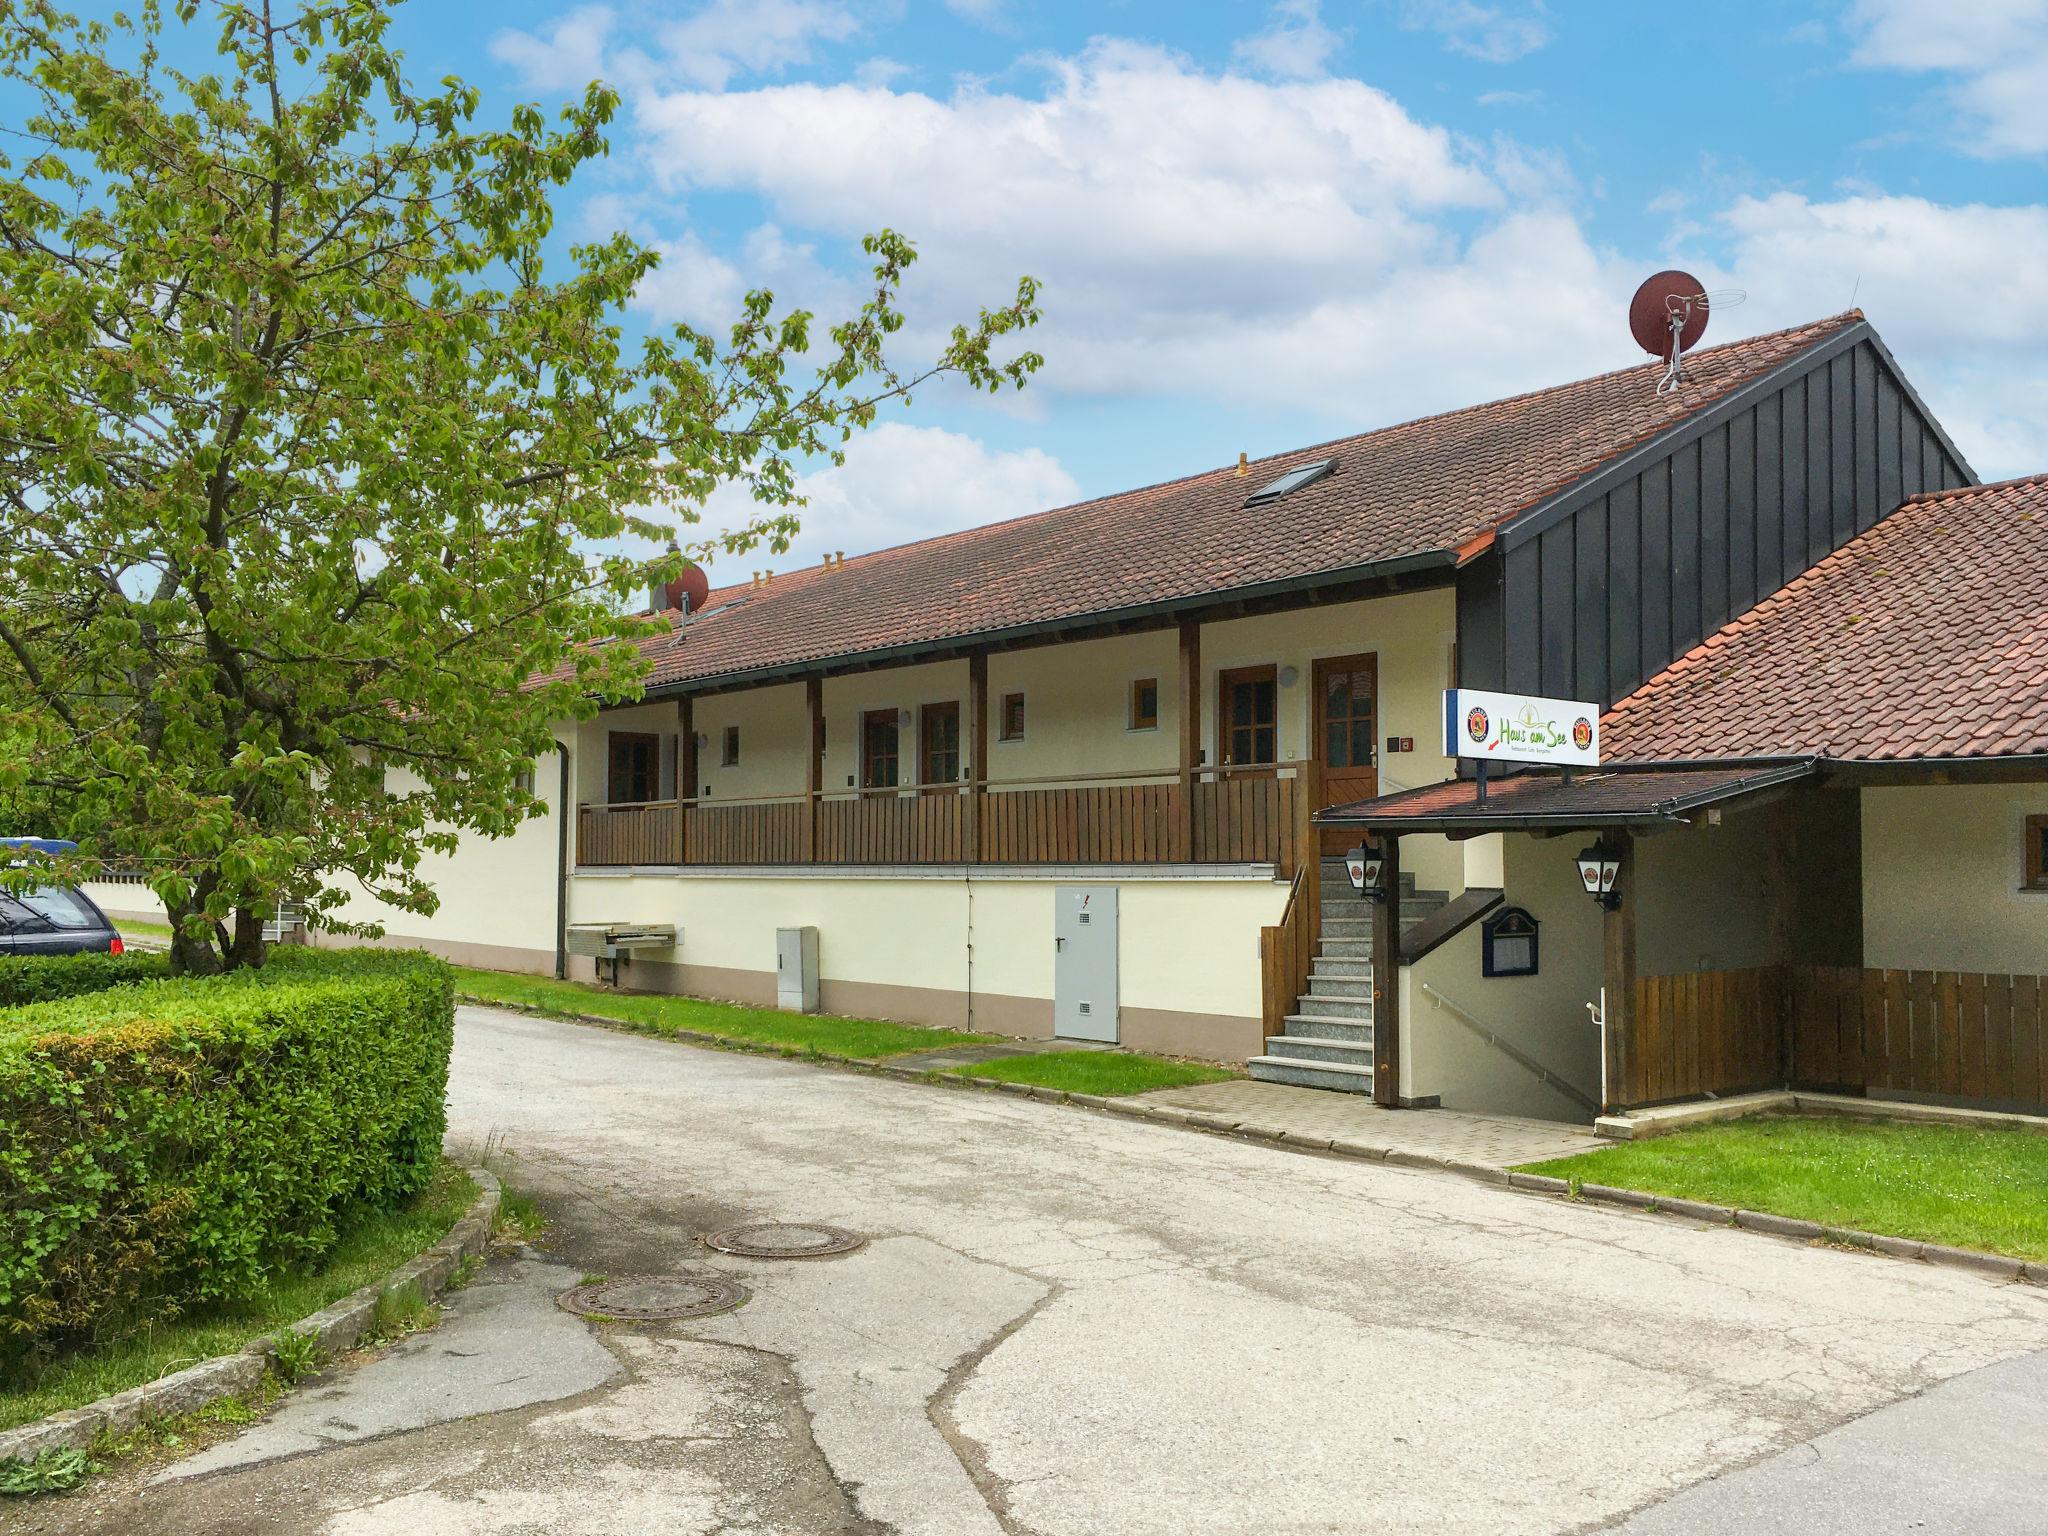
1507,943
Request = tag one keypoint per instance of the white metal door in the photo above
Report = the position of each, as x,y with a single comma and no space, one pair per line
1084,962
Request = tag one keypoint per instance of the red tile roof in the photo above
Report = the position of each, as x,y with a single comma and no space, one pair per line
1426,488
1927,636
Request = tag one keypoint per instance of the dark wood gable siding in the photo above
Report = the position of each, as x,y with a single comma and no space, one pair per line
1586,598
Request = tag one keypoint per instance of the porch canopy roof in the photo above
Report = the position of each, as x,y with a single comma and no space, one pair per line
1641,800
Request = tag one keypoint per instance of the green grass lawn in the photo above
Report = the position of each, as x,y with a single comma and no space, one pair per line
1108,1073
125,926
865,1039
372,1249
1935,1183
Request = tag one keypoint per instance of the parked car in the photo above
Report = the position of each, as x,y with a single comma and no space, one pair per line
52,919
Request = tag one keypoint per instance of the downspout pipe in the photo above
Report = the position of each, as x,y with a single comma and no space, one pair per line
562,810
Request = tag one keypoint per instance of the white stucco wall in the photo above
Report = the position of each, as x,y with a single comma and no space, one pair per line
1941,879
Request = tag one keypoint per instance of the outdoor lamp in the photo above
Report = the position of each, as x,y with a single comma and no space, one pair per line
1366,866
1599,866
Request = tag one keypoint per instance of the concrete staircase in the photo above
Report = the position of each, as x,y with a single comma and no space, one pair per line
1328,1041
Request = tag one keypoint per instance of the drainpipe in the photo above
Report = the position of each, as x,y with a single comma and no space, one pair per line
562,813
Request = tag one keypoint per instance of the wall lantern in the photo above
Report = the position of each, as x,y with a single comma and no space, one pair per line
1365,866
1599,867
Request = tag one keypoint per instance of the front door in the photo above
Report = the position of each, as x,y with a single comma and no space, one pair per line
1084,977
1248,716
635,768
1347,716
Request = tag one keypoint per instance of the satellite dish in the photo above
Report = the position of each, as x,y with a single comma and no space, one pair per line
689,590
1672,306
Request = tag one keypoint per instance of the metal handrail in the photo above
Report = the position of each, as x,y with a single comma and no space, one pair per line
1519,1057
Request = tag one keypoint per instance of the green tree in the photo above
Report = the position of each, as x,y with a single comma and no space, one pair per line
303,457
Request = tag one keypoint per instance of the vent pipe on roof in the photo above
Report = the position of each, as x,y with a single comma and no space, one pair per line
1244,464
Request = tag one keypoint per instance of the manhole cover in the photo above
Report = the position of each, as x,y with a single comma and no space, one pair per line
655,1296
785,1240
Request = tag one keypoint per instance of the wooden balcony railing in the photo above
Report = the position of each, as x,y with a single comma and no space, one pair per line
1224,816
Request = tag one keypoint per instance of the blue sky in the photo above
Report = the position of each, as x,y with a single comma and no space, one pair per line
1263,225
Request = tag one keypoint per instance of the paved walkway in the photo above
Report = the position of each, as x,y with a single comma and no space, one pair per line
1494,1141
1065,1323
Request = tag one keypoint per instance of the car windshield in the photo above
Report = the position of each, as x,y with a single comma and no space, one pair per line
46,907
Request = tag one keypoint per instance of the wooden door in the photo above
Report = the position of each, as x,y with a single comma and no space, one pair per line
635,768
880,749
1345,739
1247,716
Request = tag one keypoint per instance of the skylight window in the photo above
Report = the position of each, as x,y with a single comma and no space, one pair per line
1292,481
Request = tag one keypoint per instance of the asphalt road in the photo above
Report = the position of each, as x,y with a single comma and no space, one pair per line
1072,1324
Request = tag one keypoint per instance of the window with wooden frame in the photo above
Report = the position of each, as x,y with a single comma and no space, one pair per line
938,743
1144,705
634,767
1010,719
2036,864
1248,715
729,747
880,749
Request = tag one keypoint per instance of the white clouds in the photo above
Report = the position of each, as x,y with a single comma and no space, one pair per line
1955,291
708,48
901,483
1296,46
1492,33
566,58
1996,49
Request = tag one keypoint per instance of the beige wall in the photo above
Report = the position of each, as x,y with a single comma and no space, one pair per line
497,894
1077,708
1941,879
940,948
774,736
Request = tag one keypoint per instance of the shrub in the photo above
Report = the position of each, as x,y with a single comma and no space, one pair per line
169,1143
26,979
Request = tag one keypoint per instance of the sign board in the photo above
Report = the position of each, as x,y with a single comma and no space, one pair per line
1520,728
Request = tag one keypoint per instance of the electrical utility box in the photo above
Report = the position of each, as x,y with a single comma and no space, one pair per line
796,969
1084,970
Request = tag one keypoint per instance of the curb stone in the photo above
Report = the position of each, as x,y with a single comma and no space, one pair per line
336,1327
1989,1264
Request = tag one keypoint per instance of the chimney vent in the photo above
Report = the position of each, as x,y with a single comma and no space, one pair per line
1243,463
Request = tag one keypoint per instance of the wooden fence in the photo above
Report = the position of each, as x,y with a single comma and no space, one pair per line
1950,1034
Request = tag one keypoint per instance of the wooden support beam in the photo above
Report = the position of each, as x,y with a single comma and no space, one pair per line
1189,710
1618,979
1386,981
977,749
686,772
814,772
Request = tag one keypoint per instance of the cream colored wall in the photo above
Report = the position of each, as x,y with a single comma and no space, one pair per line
1077,708
593,753
1941,879
774,737
1184,945
121,899
494,891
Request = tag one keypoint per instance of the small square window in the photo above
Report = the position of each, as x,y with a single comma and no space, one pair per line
1145,704
1012,717
729,754
2037,853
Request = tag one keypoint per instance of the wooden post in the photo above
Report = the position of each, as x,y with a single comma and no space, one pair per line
1781,923
814,774
686,772
1190,710
1618,978
977,748
1386,981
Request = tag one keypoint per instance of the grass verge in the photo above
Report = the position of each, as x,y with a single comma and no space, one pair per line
1931,1183
127,926
1110,1074
377,1245
793,1033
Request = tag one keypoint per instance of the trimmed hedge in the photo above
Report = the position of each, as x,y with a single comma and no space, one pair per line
170,1143
26,979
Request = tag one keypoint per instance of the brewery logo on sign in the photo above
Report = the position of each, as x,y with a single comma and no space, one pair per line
1582,733
1476,723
